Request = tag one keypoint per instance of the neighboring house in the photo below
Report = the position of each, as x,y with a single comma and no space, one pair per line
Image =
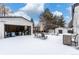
62,30
15,24
42,26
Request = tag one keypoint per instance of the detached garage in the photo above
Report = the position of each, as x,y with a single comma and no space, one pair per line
14,26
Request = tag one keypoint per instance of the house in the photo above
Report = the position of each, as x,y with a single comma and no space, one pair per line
75,17
14,26
42,25
62,30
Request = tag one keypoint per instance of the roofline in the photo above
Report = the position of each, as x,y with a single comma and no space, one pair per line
14,17
75,5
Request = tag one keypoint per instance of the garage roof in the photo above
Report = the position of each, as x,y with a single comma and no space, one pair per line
14,17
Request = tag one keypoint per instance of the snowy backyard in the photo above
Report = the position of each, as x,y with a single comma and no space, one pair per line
31,45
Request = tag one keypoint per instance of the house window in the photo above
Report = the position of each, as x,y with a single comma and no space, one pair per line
70,31
60,31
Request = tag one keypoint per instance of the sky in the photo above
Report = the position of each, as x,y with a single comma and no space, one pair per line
34,10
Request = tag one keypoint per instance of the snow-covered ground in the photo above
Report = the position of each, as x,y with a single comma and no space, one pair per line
31,45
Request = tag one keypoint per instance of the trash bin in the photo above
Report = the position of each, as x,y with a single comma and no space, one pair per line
67,40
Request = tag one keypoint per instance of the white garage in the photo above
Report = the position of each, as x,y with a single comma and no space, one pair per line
14,26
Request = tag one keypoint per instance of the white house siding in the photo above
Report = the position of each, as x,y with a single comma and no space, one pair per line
76,20
14,21
64,30
1,30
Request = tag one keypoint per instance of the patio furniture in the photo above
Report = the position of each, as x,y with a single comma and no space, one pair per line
40,35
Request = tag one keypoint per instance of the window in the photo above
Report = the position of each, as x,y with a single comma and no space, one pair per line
60,31
70,31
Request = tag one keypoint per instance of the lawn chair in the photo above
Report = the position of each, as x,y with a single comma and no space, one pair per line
40,35
37,35
43,36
